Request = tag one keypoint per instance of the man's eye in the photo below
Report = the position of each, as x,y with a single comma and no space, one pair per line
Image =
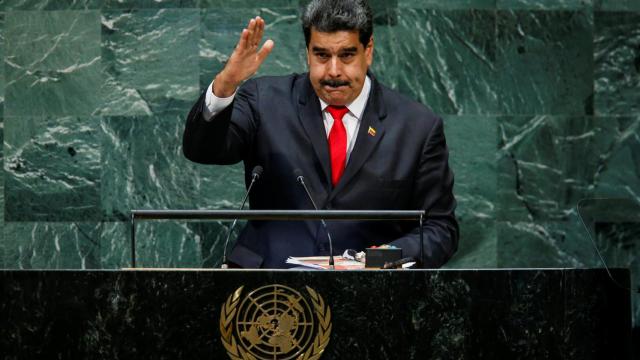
346,56
322,55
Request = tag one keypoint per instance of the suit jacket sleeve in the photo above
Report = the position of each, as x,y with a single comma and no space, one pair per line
433,193
227,137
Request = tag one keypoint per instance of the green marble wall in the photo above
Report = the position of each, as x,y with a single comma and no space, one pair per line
540,100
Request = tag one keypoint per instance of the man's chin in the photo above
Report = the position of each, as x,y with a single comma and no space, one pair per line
335,98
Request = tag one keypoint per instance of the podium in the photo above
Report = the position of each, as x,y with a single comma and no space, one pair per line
375,314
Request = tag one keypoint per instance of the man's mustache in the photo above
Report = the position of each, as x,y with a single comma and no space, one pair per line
334,83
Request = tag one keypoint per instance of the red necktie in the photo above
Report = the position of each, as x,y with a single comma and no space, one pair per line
337,142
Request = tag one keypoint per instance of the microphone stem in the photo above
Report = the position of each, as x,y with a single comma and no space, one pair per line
301,180
331,261
246,196
233,225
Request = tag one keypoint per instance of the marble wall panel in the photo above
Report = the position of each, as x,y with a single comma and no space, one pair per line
95,4
618,175
449,66
472,151
32,5
169,244
52,63
617,5
59,245
106,245
545,244
547,163
545,62
52,169
136,4
150,60
2,79
544,4
115,245
241,4
143,168
617,63
221,31
385,12
148,4
2,85
166,244
447,5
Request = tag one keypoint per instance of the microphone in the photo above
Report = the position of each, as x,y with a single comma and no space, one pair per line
255,176
300,179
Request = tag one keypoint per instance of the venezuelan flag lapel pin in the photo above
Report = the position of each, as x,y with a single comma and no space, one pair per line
371,131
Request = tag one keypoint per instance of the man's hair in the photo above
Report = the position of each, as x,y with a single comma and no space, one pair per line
338,15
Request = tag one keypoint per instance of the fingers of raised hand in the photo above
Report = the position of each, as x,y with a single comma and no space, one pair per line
251,35
242,43
251,30
265,50
257,37
256,29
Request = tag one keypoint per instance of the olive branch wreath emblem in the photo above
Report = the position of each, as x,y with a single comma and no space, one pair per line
237,352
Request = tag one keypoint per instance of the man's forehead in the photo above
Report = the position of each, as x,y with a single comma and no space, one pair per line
337,40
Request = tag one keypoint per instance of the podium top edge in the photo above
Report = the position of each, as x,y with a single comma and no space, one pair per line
150,214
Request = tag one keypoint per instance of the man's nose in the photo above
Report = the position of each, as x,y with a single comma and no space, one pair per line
335,69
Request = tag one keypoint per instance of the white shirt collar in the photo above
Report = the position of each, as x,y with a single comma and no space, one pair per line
356,108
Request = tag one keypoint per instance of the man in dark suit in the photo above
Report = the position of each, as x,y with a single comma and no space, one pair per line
358,144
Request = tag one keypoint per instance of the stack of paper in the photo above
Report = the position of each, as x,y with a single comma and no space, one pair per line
322,262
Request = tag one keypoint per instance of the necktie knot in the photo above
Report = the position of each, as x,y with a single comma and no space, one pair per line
337,112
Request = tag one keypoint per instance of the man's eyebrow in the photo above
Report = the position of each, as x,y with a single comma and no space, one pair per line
352,49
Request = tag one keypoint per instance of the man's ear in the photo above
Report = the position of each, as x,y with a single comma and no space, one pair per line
368,51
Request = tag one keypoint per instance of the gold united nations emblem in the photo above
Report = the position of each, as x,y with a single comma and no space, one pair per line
275,322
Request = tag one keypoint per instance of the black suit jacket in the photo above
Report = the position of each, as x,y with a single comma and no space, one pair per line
399,161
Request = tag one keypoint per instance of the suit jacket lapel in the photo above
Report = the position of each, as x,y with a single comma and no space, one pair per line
311,118
366,140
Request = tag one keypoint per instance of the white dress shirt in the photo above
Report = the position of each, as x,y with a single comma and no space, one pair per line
351,120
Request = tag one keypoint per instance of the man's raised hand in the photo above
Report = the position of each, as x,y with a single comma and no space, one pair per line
245,59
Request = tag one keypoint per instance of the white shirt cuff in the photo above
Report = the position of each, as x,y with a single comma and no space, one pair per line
213,104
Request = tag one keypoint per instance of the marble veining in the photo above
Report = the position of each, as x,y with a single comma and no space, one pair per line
448,67
476,195
57,74
545,62
51,169
617,63
150,61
